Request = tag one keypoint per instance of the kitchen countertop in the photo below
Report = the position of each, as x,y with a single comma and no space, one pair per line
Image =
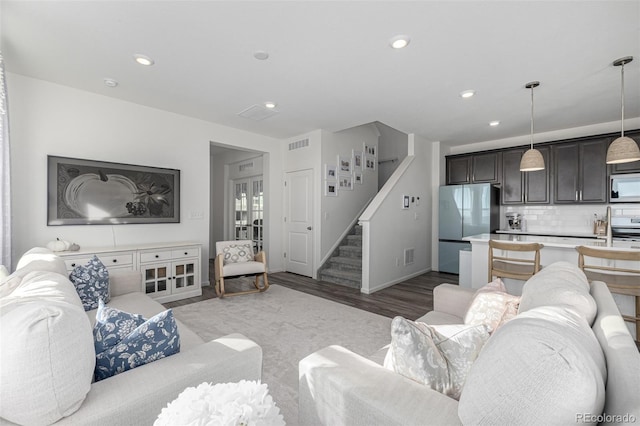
553,241
572,234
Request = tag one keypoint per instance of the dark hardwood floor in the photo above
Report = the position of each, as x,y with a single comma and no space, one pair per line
410,299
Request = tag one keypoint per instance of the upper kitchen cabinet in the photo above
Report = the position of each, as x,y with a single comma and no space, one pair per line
459,170
633,167
485,168
476,168
524,187
580,171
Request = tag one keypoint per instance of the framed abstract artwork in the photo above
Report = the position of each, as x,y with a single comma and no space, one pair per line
88,192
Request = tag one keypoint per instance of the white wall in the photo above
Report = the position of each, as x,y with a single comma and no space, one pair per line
392,146
388,229
339,212
47,118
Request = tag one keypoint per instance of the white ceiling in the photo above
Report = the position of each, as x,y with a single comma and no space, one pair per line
330,65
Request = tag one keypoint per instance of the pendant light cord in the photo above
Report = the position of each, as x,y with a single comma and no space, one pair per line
622,98
532,117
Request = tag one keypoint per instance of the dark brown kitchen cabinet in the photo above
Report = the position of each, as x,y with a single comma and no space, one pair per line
524,187
485,168
458,170
476,168
580,171
512,191
537,186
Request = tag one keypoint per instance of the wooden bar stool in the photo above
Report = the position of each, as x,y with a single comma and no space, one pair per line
619,279
504,266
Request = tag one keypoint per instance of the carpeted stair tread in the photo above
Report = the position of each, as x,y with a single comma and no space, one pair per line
350,261
347,278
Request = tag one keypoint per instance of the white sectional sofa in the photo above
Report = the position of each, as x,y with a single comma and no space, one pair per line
566,358
47,353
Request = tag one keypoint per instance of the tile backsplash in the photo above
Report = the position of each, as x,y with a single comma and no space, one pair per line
570,219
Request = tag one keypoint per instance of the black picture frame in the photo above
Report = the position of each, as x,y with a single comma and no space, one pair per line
89,192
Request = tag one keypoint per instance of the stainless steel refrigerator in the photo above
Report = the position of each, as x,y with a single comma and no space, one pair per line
465,210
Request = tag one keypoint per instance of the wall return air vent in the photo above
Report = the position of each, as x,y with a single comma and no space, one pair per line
299,144
408,256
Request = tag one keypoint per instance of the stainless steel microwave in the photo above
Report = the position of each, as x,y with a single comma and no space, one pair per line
625,188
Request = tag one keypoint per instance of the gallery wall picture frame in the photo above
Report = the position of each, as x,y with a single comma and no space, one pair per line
357,177
370,162
344,165
345,183
370,150
330,172
331,188
90,192
357,160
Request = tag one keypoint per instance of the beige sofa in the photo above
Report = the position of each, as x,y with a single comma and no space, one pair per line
535,369
47,353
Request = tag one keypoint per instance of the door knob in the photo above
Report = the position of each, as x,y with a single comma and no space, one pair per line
308,228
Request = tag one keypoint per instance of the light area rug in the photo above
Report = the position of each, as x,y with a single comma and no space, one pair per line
288,325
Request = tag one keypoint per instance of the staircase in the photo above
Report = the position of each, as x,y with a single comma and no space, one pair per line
344,267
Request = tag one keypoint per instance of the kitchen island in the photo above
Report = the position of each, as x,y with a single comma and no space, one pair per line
555,249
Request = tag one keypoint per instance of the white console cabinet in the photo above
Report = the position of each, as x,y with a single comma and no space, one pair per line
168,271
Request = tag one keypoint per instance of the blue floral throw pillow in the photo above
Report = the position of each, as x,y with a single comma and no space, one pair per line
154,339
113,325
91,282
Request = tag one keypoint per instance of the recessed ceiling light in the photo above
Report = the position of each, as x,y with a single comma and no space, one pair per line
399,41
270,105
143,59
109,82
494,123
467,93
261,55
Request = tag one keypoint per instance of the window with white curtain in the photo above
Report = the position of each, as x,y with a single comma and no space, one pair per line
5,173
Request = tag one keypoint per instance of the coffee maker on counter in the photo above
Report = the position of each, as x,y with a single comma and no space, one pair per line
514,221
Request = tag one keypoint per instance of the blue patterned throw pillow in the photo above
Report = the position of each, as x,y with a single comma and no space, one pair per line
113,325
154,339
91,282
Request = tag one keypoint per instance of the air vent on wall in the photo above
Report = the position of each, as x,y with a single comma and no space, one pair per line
257,112
298,144
245,166
408,256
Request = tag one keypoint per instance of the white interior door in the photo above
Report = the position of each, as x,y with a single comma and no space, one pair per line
299,223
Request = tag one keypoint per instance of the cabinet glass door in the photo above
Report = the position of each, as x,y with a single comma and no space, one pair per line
184,275
156,279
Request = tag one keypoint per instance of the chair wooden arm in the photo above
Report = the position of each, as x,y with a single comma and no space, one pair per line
262,258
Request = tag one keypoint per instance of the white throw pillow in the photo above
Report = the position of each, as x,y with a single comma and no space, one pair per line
4,272
492,305
544,367
237,253
47,351
561,283
439,357
36,259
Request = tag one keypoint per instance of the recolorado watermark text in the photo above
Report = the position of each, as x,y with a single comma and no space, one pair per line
605,418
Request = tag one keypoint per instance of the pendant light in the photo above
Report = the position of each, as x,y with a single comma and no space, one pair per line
532,159
624,149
